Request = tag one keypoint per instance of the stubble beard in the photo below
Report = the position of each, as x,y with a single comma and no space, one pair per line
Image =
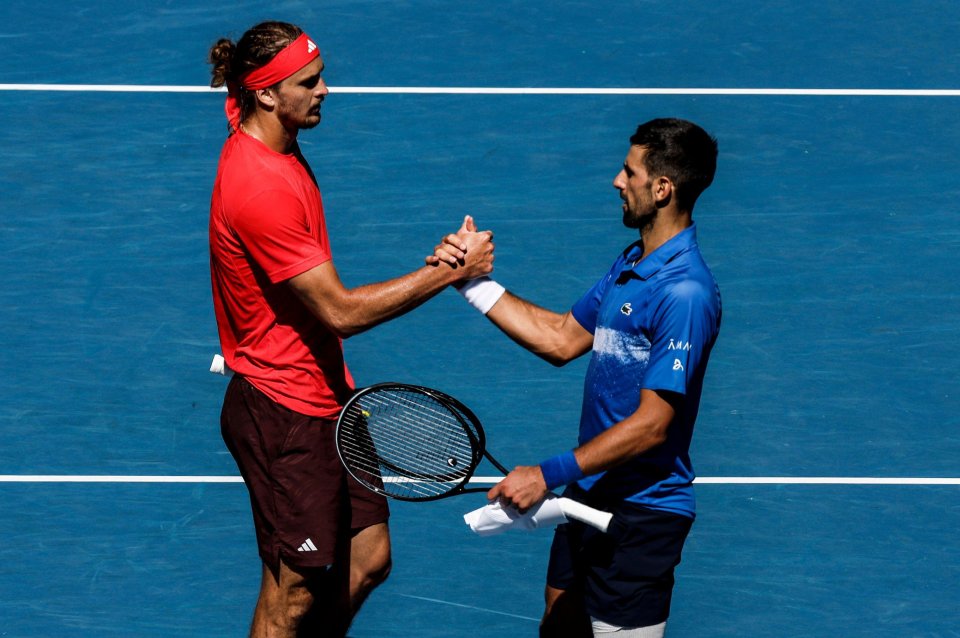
292,120
642,220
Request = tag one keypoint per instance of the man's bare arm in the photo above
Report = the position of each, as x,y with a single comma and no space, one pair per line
349,311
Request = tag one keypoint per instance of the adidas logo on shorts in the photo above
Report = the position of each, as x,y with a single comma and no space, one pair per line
307,546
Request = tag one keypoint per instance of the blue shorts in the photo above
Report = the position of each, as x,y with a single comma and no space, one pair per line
625,581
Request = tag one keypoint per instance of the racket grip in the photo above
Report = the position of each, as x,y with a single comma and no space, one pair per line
586,514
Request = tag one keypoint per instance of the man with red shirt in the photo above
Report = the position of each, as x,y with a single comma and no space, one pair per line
281,313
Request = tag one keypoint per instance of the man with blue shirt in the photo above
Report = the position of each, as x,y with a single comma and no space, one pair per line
650,322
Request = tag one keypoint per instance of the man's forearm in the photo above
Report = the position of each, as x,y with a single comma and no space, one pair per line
553,337
351,311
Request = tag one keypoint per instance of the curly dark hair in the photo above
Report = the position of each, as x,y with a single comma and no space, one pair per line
256,47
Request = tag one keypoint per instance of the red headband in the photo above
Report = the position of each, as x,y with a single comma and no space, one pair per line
291,59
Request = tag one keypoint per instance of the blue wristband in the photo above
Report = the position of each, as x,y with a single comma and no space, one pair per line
561,469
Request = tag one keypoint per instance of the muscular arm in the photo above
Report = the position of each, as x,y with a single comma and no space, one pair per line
643,430
349,311
554,337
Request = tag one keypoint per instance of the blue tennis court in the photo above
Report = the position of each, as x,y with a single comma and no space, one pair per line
828,439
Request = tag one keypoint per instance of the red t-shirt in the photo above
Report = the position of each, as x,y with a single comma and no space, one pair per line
266,226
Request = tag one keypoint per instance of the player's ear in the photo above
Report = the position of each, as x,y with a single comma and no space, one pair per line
662,189
266,98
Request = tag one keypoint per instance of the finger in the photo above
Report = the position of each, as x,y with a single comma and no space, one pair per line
467,226
447,256
488,234
455,241
451,245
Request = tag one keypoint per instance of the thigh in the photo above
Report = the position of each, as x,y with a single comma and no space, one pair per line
367,508
298,488
626,581
629,581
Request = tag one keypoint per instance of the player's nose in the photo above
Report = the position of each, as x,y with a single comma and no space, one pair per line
619,182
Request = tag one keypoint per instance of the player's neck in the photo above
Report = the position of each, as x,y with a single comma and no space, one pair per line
665,226
271,132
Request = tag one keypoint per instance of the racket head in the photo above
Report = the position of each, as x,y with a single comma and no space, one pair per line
409,442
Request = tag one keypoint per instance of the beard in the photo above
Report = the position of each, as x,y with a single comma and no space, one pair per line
310,122
295,120
641,219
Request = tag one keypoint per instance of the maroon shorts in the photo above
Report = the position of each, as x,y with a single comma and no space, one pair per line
306,506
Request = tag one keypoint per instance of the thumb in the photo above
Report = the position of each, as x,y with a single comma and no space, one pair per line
468,225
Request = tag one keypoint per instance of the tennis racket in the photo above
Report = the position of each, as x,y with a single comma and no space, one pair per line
414,443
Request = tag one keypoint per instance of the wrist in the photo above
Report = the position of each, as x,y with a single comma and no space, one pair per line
482,293
561,470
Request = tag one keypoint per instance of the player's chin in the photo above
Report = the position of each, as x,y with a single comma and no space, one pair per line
311,121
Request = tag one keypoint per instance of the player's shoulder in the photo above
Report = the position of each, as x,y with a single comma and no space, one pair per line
246,173
690,289
689,278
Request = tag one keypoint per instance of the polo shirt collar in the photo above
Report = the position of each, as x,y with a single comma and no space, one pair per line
652,263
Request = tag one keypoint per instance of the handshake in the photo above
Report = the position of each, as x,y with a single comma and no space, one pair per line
471,251
467,248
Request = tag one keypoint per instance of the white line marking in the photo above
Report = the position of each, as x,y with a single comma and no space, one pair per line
467,90
491,480
68,478
447,602
109,88
823,480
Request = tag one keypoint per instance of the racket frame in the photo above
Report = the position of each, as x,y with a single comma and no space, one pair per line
464,416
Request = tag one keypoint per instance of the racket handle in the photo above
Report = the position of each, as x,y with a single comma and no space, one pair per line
219,366
585,514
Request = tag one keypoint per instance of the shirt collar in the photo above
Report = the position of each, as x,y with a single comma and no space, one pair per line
652,263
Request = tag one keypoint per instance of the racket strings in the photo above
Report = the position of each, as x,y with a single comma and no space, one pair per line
407,444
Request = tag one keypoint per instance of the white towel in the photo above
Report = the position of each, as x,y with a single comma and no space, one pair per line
495,518
219,366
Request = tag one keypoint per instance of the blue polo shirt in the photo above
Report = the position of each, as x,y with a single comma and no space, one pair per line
653,323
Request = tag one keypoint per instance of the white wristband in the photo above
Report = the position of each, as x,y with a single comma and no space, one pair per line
482,293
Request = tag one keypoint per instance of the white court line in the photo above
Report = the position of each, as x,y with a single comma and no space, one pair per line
491,480
822,480
462,606
97,478
466,90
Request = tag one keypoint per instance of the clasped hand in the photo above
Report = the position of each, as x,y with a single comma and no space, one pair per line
467,249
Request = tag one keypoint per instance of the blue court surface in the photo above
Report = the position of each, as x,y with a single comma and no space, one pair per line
829,436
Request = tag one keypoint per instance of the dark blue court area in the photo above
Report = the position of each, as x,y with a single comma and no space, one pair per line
832,228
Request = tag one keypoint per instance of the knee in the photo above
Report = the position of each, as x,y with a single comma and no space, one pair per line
296,605
374,570
564,616
371,559
285,608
